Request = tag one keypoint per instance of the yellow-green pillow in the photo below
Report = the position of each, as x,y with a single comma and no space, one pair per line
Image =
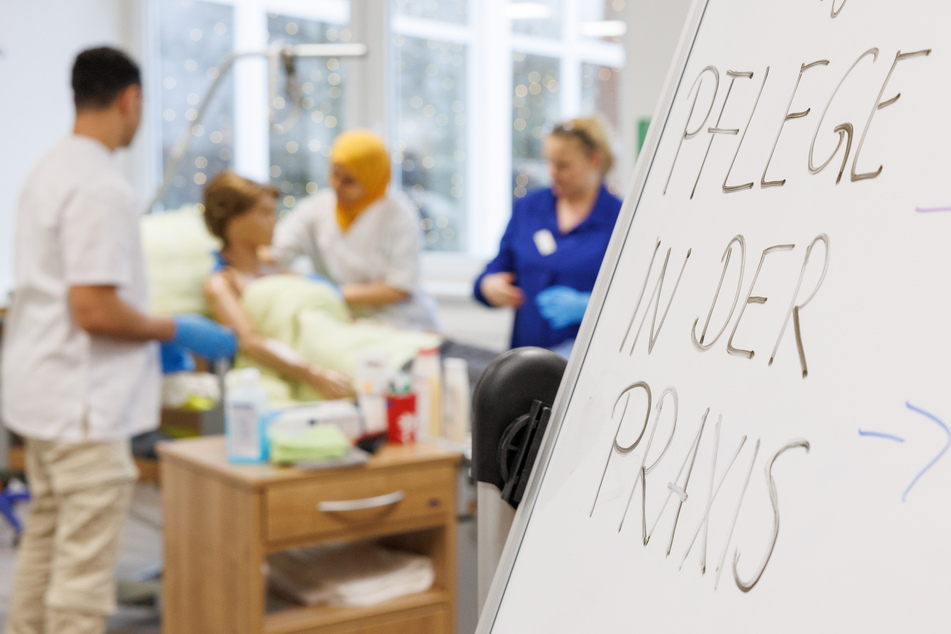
178,253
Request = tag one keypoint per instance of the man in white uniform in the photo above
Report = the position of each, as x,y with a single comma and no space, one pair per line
80,368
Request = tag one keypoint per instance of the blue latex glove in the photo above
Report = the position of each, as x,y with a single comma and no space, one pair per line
204,337
175,358
562,305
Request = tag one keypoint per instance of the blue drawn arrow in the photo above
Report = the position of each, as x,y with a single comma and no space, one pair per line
878,434
936,458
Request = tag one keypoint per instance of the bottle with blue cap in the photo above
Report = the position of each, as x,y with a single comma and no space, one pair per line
246,416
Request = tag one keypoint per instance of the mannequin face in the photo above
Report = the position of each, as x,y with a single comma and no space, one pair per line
349,190
255,227
574,169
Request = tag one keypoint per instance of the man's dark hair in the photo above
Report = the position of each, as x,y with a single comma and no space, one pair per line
100,74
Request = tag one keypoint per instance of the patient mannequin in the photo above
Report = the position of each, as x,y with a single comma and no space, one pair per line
241,213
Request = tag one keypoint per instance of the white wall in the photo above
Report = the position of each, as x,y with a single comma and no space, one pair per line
39,40
654,28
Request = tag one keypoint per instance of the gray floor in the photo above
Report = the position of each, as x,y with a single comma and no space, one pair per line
141,551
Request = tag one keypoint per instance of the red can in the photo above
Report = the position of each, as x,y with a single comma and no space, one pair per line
401,418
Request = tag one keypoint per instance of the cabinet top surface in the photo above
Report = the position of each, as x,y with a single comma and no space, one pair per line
208,453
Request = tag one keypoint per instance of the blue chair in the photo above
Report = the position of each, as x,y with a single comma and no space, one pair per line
8,500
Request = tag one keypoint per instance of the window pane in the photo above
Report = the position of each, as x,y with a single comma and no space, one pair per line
541,18
430,150
601,93
193,38
310,110
443,10
535,109
603,19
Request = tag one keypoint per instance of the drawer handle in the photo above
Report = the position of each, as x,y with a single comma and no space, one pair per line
342,506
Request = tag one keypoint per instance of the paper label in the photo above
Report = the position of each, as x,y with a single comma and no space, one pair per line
545,242
244,427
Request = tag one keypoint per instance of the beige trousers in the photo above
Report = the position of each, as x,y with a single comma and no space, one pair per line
64,579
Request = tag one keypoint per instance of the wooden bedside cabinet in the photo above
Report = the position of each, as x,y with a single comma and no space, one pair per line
222,520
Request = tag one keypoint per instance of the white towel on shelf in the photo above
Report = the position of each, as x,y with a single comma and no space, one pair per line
179,387
352,575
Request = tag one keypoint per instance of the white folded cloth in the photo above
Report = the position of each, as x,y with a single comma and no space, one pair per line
179,387
358,574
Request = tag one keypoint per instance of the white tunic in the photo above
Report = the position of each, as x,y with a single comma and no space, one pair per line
77,225
382,245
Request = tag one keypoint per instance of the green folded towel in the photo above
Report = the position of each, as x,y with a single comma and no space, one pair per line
318,442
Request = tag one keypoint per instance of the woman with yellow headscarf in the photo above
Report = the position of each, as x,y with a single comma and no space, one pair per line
360,237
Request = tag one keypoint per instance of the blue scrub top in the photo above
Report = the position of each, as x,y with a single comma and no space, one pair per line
574,263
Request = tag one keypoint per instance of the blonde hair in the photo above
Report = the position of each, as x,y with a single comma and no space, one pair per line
227,196
592,134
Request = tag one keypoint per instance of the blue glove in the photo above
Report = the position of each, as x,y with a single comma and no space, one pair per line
175,358
562,305
204,337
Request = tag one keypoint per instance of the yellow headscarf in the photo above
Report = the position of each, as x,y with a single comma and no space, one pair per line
364,155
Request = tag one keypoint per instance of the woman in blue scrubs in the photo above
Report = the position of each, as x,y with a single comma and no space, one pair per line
552,248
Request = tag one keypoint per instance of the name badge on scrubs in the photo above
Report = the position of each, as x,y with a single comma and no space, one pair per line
545,242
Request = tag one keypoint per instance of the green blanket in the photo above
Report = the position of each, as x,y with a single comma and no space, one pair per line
313,319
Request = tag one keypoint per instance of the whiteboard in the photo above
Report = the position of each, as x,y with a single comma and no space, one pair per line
761,389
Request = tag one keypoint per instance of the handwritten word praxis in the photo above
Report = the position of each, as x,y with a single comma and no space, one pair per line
678,491
846,130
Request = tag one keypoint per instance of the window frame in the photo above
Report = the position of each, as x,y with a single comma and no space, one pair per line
491,44
251,151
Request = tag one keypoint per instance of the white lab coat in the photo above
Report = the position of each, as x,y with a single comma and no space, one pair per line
77,225
382,245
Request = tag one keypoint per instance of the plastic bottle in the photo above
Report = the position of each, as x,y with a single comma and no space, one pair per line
246,416
427,383
373,377
458,400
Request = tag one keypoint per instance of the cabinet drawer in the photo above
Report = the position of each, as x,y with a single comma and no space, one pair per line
352,500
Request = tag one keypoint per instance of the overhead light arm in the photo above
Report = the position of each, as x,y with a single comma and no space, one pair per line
277,54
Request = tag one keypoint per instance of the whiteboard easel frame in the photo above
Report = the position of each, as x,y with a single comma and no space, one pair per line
612,256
